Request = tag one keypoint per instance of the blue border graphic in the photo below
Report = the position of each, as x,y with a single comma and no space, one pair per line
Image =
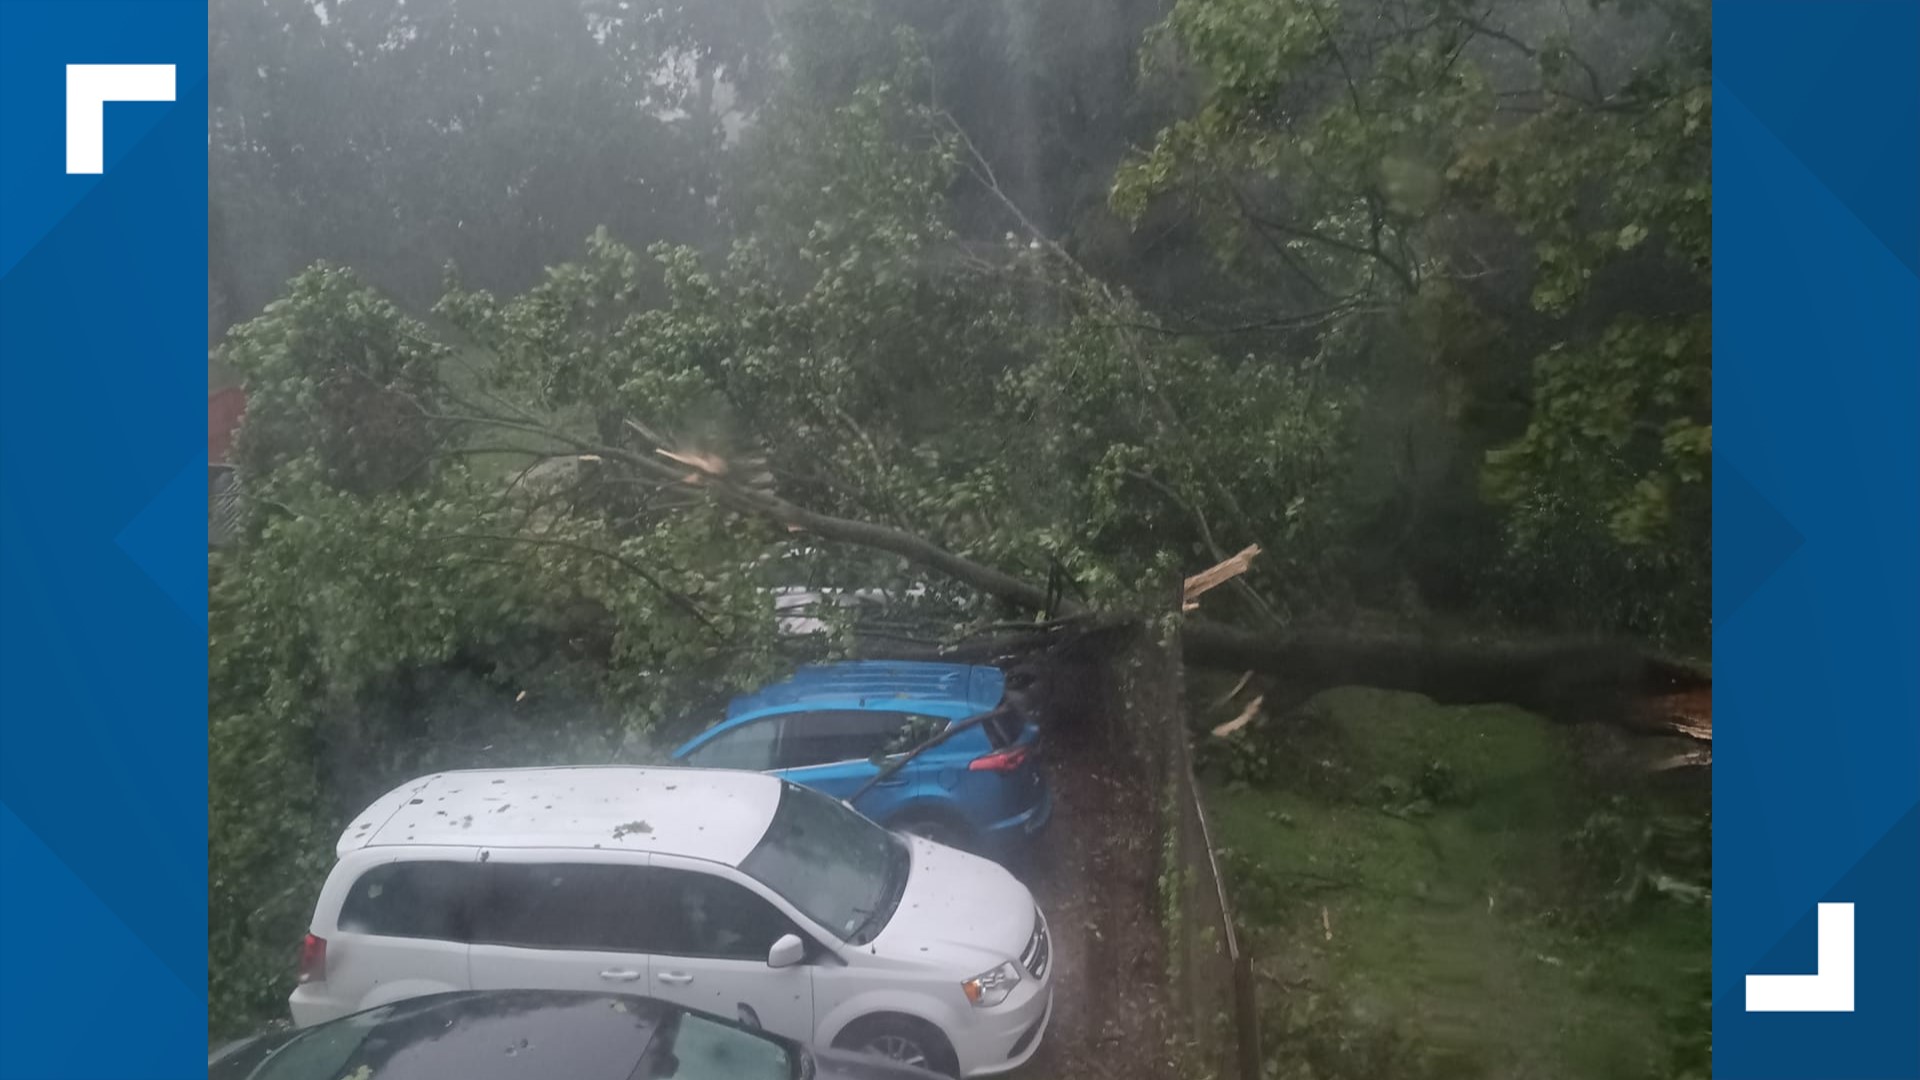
103,759
1817,526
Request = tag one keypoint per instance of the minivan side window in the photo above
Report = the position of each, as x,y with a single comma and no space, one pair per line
749,746
411,900
703,915
594,907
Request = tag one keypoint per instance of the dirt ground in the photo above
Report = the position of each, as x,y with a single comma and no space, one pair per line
1095,875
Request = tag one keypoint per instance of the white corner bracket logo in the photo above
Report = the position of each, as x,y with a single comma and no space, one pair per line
1828,989
89,88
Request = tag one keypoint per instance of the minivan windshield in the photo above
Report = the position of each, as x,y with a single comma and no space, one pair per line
840,869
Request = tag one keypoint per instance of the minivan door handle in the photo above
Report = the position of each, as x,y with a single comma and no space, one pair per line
675,978
620,975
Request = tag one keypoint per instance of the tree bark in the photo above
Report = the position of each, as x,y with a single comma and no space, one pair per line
1570,681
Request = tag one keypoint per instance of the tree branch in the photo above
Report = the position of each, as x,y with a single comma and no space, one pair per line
1374,252
915,549
680,600
1353,91
1479,26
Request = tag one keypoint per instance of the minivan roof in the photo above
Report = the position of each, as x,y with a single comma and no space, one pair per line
716,814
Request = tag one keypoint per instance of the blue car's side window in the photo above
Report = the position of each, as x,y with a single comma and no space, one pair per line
821,738
749,746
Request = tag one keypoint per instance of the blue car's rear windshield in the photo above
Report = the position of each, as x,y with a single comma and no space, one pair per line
1003,726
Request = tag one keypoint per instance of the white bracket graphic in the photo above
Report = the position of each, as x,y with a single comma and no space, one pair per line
89,88
1829,988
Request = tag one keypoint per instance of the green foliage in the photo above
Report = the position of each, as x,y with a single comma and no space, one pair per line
337,377
268,840
1477,173
1613,475
380,571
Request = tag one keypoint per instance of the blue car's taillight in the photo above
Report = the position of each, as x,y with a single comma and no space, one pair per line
1008,760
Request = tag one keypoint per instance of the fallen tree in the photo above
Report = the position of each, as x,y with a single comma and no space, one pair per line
1571,681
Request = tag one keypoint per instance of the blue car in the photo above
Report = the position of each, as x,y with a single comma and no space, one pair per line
832,728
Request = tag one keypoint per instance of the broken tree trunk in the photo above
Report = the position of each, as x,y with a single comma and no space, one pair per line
1568,681
1571,682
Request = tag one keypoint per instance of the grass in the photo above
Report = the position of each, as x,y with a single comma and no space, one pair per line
1420,909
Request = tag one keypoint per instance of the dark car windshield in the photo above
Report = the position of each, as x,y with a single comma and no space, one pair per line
509,1035
840,869
695,1047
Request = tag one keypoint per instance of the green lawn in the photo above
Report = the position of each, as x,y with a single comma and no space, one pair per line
1430,898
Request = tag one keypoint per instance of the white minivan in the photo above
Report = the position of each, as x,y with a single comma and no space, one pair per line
733,892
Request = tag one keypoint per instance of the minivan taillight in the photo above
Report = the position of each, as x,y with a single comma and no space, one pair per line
1000,760
313,959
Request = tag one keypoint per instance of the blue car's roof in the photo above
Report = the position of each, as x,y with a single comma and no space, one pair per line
880,684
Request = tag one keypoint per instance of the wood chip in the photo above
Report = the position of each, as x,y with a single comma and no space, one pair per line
1238,722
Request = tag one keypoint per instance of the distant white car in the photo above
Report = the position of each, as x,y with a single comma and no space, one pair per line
798,609
733,892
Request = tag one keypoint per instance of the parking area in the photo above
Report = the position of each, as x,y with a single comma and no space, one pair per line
1095,872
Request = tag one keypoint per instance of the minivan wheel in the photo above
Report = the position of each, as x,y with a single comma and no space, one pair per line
937,829
905,1039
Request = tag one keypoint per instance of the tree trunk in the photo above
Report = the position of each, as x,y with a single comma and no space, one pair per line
1569,681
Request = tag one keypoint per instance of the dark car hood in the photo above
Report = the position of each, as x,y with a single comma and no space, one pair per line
847,1065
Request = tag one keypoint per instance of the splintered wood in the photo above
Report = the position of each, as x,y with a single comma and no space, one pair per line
1215,576
1687,713
1690,759
1246,716
706,463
